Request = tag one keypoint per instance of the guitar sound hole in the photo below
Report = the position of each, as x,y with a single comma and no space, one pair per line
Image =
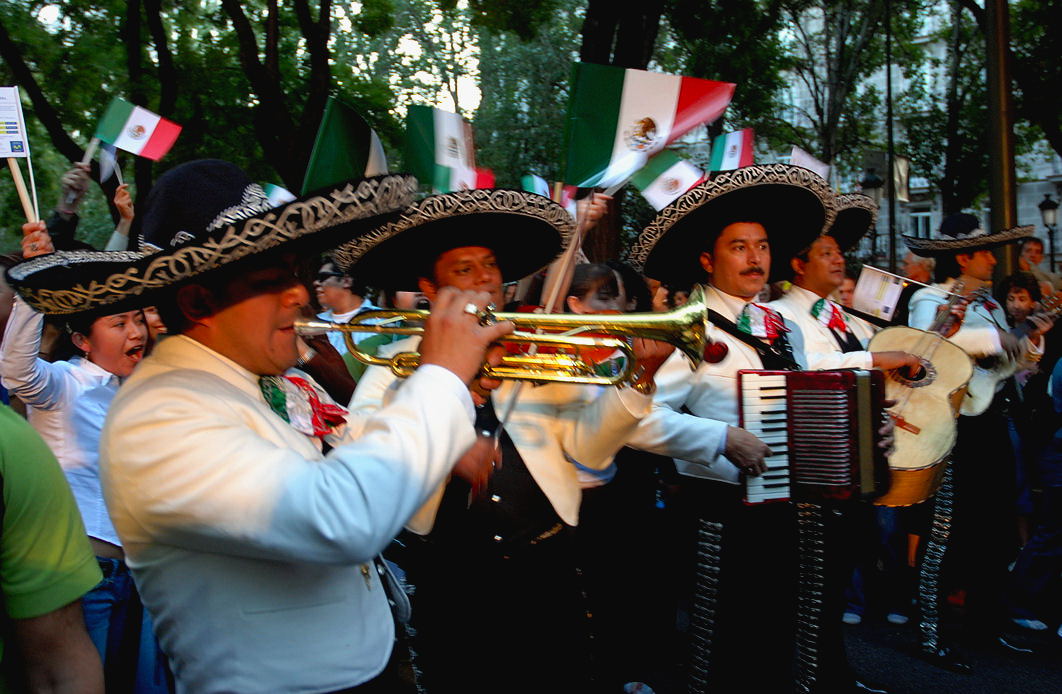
923,376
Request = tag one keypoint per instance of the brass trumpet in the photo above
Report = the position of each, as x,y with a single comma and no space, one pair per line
685,327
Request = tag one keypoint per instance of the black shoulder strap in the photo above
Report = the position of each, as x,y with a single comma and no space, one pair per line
772,359
873,320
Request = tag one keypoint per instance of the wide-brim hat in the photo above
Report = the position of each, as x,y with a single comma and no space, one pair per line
526,231
856,215
962,233
793,204
202,217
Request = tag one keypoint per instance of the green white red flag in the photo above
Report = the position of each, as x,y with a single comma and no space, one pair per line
345,148
618,118
535,184
666,177
137,130
439,149
732,150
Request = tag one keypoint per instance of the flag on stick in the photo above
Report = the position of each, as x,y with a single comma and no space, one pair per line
278,195
345,148
665,177
137,130
877,292
801,158
14,144
439,149
108,162
617,118
535,184
732,150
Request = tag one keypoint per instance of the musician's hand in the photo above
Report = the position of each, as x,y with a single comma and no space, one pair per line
1043,322
890,361
481,387
453,336
1012,346
593,208
35,240
650,355
124,202
887,430
74,184
958,315
746,451
477,465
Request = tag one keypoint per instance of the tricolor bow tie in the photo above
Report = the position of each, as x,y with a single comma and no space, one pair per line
830,314
759,321
306,408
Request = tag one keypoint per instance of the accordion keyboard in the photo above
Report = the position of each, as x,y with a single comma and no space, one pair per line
764,412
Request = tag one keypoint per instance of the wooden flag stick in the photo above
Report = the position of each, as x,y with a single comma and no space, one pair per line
90,151
23,194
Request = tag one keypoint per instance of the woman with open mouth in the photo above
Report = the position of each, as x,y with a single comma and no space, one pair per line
66,402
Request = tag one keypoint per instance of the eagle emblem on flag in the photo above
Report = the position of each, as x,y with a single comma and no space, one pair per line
137,131
642,135
670,184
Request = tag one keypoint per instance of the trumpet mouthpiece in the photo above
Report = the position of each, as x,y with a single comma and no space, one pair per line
311,328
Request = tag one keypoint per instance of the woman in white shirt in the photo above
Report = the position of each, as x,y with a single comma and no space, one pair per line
66,402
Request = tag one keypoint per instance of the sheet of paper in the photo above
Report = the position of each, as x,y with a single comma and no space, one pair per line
877,292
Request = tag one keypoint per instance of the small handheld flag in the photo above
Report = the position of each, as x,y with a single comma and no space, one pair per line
137,130
439,149
877,292
618,118
535,184
732,150
345,148
665,178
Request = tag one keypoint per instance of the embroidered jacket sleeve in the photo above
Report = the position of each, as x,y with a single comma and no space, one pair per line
193,462
35,381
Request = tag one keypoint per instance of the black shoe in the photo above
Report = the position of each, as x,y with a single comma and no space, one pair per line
1009,644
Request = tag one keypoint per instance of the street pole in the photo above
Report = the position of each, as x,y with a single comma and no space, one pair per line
891,154
1002,182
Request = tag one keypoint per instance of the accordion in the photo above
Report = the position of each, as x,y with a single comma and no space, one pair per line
822,429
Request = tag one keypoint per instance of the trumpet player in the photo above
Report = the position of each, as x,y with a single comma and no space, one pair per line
492,549
253,549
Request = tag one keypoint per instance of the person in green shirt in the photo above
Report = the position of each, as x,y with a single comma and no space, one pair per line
46,565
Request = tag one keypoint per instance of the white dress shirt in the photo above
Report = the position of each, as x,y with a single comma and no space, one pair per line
248,545
67,402
821,351
336,338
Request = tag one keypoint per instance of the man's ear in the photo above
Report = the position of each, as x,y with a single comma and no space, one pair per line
798,266
573,303
196,302
963,259
706,262
427,288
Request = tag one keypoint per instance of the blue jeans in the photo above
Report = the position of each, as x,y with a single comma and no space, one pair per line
122,632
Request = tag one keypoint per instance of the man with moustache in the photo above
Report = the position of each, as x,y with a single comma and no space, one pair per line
253,548
492,550
739,229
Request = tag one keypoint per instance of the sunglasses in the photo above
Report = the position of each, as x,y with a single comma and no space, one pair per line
325,276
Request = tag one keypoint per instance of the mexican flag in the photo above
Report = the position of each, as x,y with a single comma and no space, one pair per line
137,130
439,149
732,150
666,177
618,118
345,148
535,184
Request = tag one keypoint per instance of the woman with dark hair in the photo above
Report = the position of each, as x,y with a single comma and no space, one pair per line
66,402
616,522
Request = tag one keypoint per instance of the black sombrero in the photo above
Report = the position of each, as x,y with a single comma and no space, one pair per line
856,215
793,204
201,217
525,231
963,233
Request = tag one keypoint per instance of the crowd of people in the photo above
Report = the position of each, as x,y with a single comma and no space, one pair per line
220,476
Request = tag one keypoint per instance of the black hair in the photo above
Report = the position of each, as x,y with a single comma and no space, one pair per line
357,285
634,285
946,267
590,278
1019,280
1030,240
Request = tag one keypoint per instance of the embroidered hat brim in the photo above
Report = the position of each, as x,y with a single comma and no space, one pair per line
525,231
793,204
856,215
71,282
929,248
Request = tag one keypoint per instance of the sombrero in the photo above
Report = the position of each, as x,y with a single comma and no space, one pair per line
201,217
856,215
793,204
525,231
963,234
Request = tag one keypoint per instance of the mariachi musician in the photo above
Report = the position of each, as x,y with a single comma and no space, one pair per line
492,549
739,229
982,528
